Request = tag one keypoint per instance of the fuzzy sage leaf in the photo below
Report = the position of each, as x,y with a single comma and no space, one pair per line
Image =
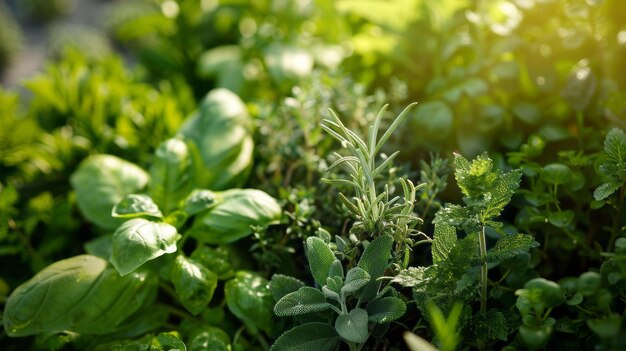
303,301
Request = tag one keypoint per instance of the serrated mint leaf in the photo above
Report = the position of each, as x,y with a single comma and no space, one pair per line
356,278
385,310
320,259
376,256
138,241
444,240
194,284
510,246
303,301
281,285
605,190
136,205
306,337
410,277
352,326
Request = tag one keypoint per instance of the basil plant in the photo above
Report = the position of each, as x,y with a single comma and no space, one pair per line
108,297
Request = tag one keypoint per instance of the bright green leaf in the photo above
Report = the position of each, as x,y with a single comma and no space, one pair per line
138,241
136,205
101,181
82,294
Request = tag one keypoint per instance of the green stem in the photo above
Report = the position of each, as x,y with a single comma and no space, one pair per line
482,242
353,346
580,125
618,219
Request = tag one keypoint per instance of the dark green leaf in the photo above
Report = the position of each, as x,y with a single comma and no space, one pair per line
210,339
556,173
307,337
281,285
385,310
139,240
194,284
249,298
215,258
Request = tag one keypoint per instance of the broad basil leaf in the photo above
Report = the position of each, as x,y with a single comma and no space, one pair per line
320,259
139,240
306,337
216,258
136,205
231,219
102,181
281,285
219,130
303,301
82,294
171,174
200,200
385,310
99,246
249,298
210,338
352,326
193,283
161,342
355,280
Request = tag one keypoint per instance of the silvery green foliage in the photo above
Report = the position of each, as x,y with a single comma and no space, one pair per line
337,291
